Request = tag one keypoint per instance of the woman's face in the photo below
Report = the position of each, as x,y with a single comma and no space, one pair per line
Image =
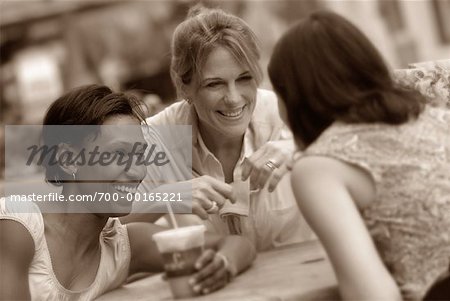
224,96
120,135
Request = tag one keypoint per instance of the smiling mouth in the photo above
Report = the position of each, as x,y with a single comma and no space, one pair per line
232,113
125,188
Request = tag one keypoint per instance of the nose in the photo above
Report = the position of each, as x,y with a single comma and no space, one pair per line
233,96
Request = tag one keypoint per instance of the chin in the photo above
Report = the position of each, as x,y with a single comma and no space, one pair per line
119,214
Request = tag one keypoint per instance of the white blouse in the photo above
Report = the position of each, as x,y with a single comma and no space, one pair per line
114,261
267,219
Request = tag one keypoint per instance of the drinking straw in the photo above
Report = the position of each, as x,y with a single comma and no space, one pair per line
172,216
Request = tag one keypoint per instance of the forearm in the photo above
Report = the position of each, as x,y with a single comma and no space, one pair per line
140,217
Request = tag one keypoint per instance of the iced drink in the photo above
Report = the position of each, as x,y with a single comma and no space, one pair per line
180,249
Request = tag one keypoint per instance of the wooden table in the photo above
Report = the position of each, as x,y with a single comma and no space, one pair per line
296,272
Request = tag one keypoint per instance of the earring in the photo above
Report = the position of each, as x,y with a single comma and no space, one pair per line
188,100
56,181
74,177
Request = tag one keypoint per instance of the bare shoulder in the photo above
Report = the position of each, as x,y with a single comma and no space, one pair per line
320,172
16,245
16,254
311,167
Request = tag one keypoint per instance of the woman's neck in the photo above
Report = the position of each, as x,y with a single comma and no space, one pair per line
218,144
77,229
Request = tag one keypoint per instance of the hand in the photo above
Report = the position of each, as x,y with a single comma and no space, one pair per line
268,162
209,195
212,274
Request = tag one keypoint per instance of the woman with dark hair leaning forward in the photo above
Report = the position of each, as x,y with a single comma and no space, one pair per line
79,256
374,178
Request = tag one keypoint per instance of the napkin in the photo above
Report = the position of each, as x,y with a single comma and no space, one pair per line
232,213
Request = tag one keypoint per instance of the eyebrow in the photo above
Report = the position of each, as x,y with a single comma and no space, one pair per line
247,72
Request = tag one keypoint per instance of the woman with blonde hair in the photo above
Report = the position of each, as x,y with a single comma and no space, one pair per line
240,146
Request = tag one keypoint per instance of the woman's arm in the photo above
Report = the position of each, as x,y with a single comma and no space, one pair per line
323,196
145,256
213,271
224,258
197,194
16,254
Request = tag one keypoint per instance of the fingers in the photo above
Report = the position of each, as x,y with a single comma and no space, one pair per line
214,190
257,160
216,281
209,196
265,172
226,190
262,171
198,210
246,169
212,274
207,265
277,175
266,166
207,256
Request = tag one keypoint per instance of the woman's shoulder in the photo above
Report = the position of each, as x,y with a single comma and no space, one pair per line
266,96
176,113
266,101
116,254
115,238
366,146
266,108
377,146
24,212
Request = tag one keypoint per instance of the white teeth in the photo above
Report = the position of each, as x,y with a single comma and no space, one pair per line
124,188
232,113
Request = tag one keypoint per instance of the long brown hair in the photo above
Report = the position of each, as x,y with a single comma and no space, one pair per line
326,69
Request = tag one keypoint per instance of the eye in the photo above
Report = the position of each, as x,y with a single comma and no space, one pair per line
245,78
213,84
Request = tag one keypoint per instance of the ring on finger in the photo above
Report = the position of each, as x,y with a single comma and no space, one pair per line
271,165
213,208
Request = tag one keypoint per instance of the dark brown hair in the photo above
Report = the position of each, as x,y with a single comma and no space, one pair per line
326,69
86,105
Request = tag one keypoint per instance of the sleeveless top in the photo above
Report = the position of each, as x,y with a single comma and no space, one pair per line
409,220
114,261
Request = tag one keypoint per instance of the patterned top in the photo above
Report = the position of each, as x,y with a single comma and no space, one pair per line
114,261
431,80
409,220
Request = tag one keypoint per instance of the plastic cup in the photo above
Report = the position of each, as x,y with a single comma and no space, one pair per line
180,249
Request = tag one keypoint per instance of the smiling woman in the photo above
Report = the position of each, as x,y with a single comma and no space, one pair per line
225,98
67,256
240,147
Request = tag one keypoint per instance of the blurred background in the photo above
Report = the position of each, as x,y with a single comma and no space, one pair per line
50,46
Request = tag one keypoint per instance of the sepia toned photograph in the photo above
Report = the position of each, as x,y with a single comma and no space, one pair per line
231,150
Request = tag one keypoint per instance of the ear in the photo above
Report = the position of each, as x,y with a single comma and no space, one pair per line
188,92
67,158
